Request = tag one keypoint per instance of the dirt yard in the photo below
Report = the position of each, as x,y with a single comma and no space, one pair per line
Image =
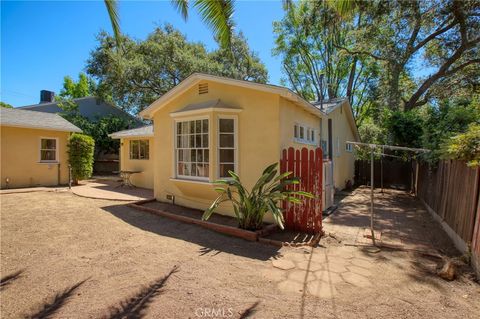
72,257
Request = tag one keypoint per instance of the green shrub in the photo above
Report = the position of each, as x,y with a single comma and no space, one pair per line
465,146
80,156
251,206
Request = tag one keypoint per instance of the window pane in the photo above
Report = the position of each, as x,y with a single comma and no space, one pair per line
295,131
185,127
179,127
206,156
199,156
180,167
227,156
226,125
192,126
205,126
47,155
48,144
193,155
198,126
226,140
206,170
202,170
179,141
302,132
198,141
224,168
194,170
205,140
192,141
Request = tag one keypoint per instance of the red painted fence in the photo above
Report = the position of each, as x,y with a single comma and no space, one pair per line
308,166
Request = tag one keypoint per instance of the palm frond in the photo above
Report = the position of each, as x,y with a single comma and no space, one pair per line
218,16
112,10
182,7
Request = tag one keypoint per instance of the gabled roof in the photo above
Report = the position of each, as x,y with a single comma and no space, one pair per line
35,120
313,108
91,107
195,78
145,131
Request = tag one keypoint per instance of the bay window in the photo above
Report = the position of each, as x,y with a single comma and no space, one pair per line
192,149
227,148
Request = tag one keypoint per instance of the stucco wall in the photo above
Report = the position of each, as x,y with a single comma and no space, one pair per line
258,132
343,161
144,179
290,114
20,155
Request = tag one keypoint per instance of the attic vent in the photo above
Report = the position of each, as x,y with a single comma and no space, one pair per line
203,88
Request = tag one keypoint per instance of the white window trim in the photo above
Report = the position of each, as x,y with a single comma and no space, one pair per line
175,166
235,141
348,147
57,152
307,134
138,159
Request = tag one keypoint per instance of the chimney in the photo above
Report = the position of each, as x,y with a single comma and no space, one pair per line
47,96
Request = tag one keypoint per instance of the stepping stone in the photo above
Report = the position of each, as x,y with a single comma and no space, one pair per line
283,264
321,289
309,265
328,277
301,276
290,286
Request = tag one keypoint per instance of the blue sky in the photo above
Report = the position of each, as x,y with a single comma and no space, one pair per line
41,41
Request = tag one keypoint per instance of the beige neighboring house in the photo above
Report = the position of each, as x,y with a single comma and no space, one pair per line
33,148
136,154
207,125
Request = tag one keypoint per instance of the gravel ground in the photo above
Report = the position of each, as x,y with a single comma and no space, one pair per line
72,257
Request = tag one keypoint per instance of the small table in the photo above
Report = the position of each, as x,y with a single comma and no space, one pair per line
125,175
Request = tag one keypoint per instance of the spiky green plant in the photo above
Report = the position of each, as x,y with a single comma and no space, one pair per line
251,206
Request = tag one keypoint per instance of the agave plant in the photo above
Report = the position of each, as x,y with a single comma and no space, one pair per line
251,206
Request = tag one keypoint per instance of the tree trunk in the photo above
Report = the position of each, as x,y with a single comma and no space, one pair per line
351,79
394,97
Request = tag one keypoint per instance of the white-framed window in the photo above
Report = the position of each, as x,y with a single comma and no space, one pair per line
227,145
49,150
139,150
304,134
192,153
348,147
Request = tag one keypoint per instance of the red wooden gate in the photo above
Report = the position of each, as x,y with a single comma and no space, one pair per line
308,166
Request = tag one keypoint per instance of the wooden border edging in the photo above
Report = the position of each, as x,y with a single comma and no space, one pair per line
224,229
228,230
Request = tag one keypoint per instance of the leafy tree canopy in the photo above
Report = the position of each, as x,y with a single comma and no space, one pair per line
3,104
85,86
144,70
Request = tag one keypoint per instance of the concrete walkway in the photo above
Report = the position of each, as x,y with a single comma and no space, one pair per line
108,189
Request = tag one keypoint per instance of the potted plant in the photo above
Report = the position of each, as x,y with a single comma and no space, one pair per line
251,206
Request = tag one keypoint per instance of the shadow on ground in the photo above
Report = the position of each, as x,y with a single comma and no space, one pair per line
209,240
136,306
50,308
8,279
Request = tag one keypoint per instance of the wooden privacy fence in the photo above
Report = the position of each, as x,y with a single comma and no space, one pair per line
308,166
451,191
396,173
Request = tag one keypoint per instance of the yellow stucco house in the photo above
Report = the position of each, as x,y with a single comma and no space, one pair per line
207,125
33,148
